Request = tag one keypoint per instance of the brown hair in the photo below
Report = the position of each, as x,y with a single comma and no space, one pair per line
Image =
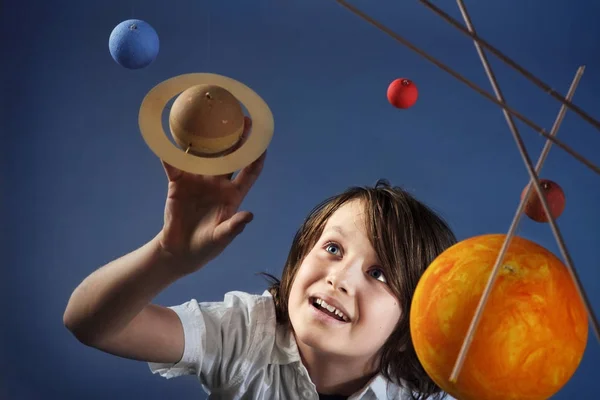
407,236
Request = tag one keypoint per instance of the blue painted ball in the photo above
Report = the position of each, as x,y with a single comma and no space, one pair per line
133,44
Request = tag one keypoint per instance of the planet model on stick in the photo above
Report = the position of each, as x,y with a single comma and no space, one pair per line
133,44
402,93
206,120
531,336
555,197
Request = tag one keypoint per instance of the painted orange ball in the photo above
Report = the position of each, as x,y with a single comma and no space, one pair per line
531,336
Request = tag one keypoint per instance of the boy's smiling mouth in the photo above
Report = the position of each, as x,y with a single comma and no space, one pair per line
328,309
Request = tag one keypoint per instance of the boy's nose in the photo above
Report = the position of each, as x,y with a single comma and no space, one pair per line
343,277
337,284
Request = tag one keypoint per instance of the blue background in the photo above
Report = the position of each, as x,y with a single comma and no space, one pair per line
80,187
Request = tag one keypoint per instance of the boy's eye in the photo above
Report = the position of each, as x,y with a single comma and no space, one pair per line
333,249
377,273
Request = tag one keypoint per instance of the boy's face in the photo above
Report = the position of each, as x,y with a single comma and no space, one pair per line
343,270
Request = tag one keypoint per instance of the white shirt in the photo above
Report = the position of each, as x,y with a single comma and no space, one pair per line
238,351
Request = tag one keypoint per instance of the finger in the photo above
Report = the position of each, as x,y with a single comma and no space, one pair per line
172,173
227,230
226,176
248,176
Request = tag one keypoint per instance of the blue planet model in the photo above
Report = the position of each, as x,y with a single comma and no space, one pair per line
133,44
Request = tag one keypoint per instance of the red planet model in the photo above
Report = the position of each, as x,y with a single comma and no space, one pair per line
554,196
402,93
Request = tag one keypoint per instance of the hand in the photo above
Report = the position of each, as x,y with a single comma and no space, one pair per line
201,212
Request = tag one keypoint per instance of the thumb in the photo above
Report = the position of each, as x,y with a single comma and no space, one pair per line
172,173
227,230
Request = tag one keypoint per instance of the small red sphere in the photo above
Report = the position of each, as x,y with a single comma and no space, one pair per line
555,197
402,93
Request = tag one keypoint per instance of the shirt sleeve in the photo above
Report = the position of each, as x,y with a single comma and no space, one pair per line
219,338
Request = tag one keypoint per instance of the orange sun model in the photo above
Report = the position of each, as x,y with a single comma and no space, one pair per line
532,333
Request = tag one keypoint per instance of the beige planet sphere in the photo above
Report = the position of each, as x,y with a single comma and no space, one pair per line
206,120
